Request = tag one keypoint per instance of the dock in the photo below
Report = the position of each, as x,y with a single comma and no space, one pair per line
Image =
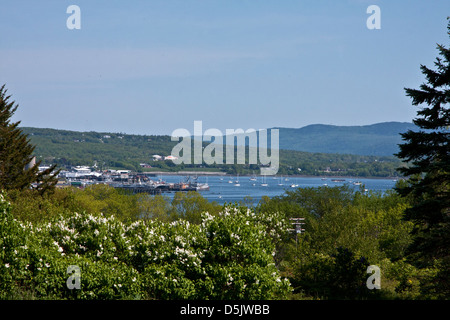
161,188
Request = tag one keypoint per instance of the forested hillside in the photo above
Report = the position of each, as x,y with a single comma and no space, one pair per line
119,150
86,148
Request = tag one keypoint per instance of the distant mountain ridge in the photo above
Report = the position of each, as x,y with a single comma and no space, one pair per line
380,139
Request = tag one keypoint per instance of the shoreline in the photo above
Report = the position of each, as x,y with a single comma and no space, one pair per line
209,173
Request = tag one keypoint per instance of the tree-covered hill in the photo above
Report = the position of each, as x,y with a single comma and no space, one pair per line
119,150
86,148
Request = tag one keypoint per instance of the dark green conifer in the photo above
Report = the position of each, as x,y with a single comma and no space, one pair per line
427,152
16,154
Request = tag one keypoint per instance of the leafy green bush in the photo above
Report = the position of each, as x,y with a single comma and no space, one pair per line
341,275
371,228
226,256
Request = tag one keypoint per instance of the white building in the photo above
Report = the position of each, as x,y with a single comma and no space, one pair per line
82,169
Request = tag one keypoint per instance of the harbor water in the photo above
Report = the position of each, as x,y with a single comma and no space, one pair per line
230,189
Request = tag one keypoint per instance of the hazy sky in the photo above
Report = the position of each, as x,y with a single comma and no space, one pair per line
150,67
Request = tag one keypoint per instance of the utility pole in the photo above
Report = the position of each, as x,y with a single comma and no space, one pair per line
297,223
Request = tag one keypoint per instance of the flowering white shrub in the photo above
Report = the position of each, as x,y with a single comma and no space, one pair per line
229,256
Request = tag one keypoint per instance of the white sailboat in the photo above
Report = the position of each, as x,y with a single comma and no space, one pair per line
281,183
264,184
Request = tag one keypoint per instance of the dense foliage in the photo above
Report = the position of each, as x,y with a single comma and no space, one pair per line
153,247
345,232
226,256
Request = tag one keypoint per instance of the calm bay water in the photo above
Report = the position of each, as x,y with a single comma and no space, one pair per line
224,189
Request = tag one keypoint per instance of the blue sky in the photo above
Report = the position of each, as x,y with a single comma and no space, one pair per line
150,67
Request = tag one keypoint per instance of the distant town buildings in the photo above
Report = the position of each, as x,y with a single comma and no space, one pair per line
82,176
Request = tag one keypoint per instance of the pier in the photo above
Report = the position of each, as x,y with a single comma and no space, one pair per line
160,188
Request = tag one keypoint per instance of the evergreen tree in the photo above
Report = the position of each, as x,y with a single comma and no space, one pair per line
16,154
427,152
